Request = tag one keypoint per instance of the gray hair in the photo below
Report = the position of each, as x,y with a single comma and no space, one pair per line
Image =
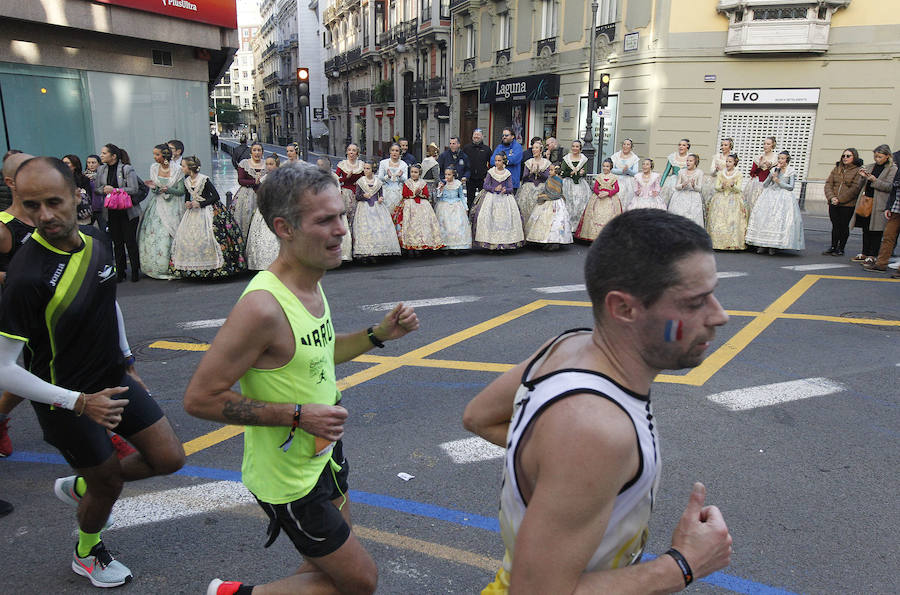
282,192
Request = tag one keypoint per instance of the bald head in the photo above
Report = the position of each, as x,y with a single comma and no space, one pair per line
11,164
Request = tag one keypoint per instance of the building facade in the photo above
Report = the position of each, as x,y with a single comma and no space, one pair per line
76,74
819,75
388,65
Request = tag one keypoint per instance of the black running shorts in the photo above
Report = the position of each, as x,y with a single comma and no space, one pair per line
86,444
313,523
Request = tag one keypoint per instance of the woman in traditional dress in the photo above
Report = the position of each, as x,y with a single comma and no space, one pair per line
249,173
646,189
262,243
603,205
626,165
576,188
208,243
417,226
165,207
450,209
348,172
393,172
775,221
293,152
726,148
497,224
726,216
675,162
548,225
374,234
687,200
324,164
759,171
431,171
535,174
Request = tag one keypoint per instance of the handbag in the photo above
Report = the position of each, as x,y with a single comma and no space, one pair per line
864,206
118,200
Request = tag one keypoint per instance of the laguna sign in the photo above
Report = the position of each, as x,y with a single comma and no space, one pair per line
526,88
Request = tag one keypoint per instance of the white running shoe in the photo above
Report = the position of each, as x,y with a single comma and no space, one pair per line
64,488
100,567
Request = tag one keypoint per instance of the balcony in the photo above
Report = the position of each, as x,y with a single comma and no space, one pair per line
270,79
469,64
360,97
545,47
795,26
503,57
335,101
270,49
458,4
271,108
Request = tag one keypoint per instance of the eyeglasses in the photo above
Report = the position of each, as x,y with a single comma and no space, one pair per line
846,156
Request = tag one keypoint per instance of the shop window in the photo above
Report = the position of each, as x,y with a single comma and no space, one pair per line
162,57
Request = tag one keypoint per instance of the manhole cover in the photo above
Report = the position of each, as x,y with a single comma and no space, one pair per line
143,351
874,316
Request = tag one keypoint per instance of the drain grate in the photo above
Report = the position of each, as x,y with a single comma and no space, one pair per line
874,316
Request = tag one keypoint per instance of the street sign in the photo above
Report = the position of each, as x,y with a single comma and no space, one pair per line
318,113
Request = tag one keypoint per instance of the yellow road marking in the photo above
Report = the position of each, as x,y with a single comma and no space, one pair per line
818,317
211,439
428,548
179,346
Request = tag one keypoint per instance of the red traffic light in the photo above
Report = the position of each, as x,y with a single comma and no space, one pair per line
303,74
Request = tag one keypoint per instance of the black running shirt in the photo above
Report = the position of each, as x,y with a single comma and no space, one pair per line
20,233
63,306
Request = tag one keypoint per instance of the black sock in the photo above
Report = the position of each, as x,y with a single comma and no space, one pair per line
244,590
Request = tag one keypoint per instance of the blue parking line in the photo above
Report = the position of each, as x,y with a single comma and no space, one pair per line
719,579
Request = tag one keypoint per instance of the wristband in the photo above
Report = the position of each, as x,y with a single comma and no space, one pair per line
129,361
370,332
294,425
683,565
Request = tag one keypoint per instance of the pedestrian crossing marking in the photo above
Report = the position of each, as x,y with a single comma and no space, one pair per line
472,450
767,395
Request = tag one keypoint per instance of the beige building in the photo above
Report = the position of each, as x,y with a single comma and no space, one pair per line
819,75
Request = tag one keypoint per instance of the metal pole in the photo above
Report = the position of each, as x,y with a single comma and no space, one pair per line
349,138
588,147
418,141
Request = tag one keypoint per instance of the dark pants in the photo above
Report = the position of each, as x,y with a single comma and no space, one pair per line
889,240
840,225
473,187
123,232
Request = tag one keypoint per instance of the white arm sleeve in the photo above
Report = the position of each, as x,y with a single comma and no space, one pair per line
23,383
123,340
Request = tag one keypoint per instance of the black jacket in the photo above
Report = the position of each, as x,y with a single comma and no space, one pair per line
479,159
460,161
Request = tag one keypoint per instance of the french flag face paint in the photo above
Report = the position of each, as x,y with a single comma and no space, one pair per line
673,330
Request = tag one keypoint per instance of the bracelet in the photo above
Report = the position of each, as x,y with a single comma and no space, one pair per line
294,425
83,404
129,361
683,565
370,332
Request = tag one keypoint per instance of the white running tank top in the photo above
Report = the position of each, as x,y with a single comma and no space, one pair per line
627,531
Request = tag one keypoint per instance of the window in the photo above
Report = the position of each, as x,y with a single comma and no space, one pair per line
426,10
503,38
246,88
246,102
606,12
237,88
470,41
162,58
445,9
548,19
244,74
779,14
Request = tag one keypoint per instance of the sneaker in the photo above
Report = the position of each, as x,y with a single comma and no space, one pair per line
858,258
123,448
6,448
220,587
830,252
64,488
869,260
874,267
101,568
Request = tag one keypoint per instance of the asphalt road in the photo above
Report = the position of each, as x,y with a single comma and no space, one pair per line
808,487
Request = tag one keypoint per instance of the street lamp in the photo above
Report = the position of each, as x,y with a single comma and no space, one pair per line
587,146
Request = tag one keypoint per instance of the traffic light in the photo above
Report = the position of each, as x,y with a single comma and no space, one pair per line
600,97
303,87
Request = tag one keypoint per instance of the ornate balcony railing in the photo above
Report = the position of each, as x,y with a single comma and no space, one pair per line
503,56
545,47
360,97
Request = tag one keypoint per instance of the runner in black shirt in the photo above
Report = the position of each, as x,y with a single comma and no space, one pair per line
60,301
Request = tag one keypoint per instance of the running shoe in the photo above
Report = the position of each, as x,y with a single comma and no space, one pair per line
64,488
123,448
100,567
6,448
220,587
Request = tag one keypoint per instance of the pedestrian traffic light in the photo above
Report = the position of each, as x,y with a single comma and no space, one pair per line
303,87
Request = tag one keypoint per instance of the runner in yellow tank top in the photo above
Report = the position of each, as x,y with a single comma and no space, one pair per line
279,341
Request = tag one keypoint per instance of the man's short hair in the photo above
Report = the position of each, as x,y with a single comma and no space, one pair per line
282,192
505,130
54,163
177,144
636,253
454,137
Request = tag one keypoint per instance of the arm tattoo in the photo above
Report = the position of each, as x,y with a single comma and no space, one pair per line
242,412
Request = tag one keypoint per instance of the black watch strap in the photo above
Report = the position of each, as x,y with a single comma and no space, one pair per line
370,332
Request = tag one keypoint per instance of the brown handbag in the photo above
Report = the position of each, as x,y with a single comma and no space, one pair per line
864,206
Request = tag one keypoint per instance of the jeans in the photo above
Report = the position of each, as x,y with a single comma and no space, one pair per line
123,232
840,225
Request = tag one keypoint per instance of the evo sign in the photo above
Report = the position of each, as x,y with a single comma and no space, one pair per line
770,97
526,88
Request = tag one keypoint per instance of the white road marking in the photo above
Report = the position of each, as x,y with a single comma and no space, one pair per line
730,274
772,394
176,503
816,267
471,450
560,288
211,323
459,299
